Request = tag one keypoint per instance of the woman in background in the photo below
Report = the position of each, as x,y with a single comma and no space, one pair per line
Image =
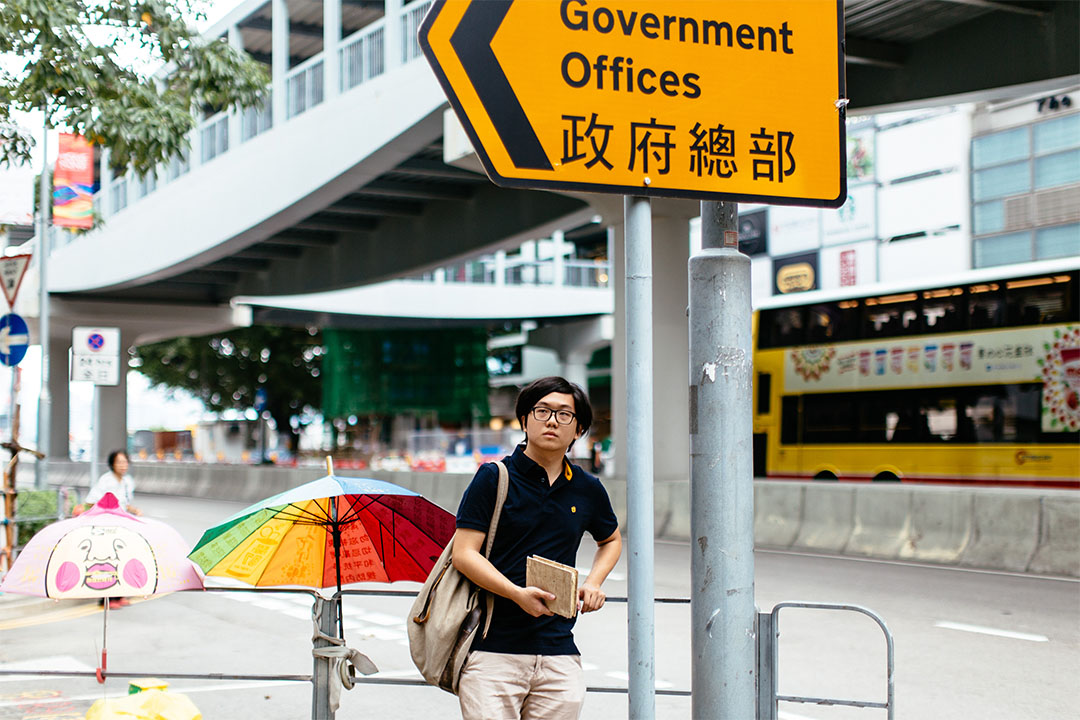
117,482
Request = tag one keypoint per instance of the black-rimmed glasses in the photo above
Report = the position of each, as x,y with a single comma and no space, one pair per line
543,414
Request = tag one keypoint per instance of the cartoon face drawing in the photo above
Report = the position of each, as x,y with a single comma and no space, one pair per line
101,561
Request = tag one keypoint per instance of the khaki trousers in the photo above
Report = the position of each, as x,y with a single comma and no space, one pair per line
500,686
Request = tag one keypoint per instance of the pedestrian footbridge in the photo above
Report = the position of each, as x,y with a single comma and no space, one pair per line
339,181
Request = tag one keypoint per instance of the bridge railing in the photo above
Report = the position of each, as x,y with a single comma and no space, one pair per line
362,55
304,86
411,18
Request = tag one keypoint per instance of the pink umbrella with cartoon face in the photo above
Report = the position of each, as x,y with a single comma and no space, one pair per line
103,553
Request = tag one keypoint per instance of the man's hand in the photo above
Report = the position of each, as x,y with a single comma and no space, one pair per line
590,598
531,600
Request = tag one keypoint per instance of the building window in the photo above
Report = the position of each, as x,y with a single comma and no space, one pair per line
1009,172
1001,181
1003,249
1057,134
1002,147
989,217
1058,169
1056,242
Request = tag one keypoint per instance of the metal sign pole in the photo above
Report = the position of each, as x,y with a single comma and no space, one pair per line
44,418
639,442
95,439
723,616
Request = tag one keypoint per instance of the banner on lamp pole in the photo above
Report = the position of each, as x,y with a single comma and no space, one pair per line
73,183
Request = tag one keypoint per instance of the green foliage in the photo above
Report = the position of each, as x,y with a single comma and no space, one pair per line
225,370
73,71
40,504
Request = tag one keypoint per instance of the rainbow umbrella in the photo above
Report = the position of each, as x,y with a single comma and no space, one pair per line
330,532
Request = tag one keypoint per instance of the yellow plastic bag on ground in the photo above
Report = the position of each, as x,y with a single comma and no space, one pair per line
146,705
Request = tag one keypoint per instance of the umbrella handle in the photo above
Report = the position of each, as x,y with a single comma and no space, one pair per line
100,672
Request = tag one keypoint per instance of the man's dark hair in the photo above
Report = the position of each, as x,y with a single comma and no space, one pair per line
112,458
535,391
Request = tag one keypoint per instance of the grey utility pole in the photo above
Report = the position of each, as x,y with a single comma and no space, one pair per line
723,616
639,471
44,399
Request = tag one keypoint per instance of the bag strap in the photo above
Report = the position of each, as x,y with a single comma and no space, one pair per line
500,498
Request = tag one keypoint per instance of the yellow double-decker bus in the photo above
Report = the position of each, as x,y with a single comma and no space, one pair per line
971,381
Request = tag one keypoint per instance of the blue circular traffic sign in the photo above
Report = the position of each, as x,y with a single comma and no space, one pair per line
14,339
96,341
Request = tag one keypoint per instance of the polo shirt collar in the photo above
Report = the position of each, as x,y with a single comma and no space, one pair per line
532,469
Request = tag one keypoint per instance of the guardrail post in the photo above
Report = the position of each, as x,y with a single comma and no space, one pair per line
326,612
766,667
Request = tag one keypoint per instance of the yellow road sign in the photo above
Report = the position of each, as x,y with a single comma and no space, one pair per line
712,99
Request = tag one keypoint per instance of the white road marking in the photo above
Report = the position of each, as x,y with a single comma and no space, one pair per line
56,662
990,631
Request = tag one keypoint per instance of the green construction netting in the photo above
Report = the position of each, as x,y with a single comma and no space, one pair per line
386,372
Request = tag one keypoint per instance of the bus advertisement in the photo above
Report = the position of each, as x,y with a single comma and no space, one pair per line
974,381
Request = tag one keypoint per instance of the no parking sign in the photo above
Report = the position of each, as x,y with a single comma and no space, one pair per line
95,355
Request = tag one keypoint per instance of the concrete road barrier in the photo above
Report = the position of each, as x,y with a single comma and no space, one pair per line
1006,530
1022,530
672,502
1059,537
941,525
881,521
827,517
778,512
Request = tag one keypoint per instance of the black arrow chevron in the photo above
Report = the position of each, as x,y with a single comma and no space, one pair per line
472,42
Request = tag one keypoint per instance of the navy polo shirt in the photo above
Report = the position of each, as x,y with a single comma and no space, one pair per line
538,518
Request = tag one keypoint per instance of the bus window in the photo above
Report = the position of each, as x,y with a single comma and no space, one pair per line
941,311
891,316
786,327
985,306
789,420
833,322
1038,300
764,392
829,418
941,419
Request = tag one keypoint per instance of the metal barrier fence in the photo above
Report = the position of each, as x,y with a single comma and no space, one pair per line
329,666
768,663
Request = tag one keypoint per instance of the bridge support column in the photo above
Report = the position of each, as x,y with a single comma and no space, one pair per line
58,391
671,344
111,417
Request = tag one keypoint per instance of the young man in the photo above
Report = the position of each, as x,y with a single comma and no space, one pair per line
528,666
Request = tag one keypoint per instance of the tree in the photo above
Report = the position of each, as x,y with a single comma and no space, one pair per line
225,370
74,72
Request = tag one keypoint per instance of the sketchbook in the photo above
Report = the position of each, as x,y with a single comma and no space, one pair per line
558,579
